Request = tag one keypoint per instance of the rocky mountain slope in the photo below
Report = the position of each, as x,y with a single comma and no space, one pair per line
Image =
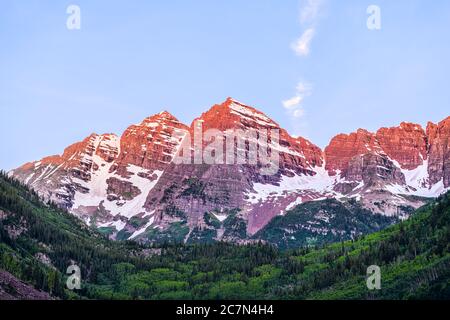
12,288
136,187
325,221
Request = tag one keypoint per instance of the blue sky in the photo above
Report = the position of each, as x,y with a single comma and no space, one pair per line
134,58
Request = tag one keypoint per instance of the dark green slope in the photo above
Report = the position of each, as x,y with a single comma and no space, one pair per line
320,222
38,242
414,257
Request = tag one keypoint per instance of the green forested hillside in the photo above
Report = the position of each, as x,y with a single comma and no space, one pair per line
38,242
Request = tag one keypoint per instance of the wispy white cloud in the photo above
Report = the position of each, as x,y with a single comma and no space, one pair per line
310,11
298,113
304,88
294,105
303,44
309,14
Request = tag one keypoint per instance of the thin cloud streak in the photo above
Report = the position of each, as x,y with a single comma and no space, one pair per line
309,14
294,105
302,46
310,11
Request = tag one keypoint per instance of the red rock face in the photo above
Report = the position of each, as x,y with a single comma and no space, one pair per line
407,144
234,115
343,148
439,151
151,144
296,154
374,170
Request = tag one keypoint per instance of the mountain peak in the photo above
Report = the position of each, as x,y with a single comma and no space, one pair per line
363,132
232,114
165,114
411,126
162,117
103,136
231,100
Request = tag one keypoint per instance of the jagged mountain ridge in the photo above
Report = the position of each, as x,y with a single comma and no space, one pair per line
131,188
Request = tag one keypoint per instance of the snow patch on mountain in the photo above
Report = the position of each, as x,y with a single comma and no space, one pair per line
321,183
220,217
135,206
142,230
98,189
249,114
118,225
417,182
293,204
